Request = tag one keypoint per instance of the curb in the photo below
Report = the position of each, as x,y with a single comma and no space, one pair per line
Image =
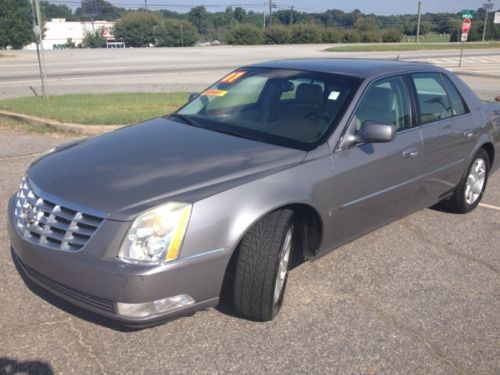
60,126
480,75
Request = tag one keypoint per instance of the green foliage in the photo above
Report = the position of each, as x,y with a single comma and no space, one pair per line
16,28
94,39
367,24
138,29
392,36
306,33
198,17
173,33
351,36
331,35
371,37
245,34
277,34
50,11
103,10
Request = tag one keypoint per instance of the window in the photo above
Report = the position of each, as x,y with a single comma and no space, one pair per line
433,101
385,102
457,103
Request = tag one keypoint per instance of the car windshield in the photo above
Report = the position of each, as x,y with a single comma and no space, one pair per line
291,108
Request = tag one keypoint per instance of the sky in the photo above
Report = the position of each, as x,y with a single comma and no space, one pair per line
381,7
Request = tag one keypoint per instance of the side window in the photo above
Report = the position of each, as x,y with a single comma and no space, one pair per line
433,101
385,102
457,103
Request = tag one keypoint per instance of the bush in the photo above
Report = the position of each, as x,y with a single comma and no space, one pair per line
392,36
351,36
94,39
173,33
331,35
371,37
277,34
137,29
245,34
305,33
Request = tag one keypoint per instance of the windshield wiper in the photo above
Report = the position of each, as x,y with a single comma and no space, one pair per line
184,118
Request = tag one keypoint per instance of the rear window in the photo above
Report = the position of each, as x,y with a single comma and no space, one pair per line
457,103
433,100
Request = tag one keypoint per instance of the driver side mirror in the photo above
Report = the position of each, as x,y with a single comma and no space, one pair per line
193,95
372,132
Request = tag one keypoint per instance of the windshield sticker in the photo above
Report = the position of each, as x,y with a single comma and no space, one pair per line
232,77
215,93
334,95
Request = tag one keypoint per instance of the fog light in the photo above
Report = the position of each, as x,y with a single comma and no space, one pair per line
148,309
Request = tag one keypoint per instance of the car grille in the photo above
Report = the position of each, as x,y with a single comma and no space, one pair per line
50,224
85,298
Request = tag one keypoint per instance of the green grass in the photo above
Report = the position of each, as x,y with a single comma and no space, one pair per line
409,47
99,109
17,125
428,38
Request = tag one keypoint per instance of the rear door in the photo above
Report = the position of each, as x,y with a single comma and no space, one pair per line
447,132
376,183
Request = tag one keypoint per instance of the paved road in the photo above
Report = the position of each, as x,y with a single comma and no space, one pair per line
420,296
192,69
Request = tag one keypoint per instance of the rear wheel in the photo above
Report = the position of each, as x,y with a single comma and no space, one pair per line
471,188
261,273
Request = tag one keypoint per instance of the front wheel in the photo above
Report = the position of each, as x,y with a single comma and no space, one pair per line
262,266
471,188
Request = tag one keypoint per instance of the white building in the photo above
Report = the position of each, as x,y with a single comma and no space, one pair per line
58,31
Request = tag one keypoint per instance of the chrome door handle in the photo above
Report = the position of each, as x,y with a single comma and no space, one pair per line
410,153
468,134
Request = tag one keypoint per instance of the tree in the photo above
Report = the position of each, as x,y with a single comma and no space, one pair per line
332,35
16,27
306,33
277,34
245,34
198,17
173,33
138,29
94,39
50,11
367,24
99,9
392,36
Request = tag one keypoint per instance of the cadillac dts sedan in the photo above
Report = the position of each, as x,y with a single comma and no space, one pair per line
276,163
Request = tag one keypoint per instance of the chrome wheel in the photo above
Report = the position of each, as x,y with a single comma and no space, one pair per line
283,265
475,181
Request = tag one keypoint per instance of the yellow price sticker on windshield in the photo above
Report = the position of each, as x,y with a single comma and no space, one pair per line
215,93
233,77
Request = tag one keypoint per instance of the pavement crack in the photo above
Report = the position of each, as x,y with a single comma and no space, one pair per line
86,346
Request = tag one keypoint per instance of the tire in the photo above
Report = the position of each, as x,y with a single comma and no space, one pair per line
470,190
258,272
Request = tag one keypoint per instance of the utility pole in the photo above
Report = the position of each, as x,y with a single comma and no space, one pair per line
37,29
291,15
146,4
487,7
264,15
418,22
270,12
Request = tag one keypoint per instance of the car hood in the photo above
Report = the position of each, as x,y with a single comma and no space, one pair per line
127,171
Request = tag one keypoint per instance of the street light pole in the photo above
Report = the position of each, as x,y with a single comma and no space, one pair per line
37,29
487,7
418,22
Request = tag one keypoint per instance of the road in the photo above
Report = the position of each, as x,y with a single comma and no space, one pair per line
420,296
192,69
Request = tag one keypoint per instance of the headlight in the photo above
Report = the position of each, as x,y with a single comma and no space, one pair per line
156,235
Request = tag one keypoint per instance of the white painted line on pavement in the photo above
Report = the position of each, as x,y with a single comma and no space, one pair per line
489,206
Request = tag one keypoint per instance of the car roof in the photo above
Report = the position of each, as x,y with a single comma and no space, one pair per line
363,68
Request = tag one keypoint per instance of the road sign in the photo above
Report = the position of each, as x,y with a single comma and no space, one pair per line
464,37
497,17
468,13
466,25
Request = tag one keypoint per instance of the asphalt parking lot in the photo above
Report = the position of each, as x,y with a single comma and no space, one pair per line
419,296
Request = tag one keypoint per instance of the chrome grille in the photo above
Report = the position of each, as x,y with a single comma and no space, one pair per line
52,225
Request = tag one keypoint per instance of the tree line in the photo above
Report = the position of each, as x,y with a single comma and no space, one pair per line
236,25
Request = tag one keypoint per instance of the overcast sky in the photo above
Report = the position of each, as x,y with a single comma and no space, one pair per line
384,7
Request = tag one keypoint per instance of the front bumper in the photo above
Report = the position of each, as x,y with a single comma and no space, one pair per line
97,284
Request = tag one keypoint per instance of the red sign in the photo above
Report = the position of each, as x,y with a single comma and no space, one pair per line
466,25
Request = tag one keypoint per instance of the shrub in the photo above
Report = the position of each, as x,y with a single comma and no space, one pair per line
245,34
331,35
306,33
94,39
371,37
392,36
173,33
137,29
351,36
277,34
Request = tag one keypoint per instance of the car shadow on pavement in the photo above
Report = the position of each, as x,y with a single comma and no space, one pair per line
9,366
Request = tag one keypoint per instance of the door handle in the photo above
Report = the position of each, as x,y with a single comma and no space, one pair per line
468,134
410,153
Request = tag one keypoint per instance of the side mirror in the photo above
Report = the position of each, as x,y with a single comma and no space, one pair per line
373,132
193,95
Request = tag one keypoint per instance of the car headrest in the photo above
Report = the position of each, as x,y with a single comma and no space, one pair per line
309,94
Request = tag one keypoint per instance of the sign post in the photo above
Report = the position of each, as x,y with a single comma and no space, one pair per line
466,25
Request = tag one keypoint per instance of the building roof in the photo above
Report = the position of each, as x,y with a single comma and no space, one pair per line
356,67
